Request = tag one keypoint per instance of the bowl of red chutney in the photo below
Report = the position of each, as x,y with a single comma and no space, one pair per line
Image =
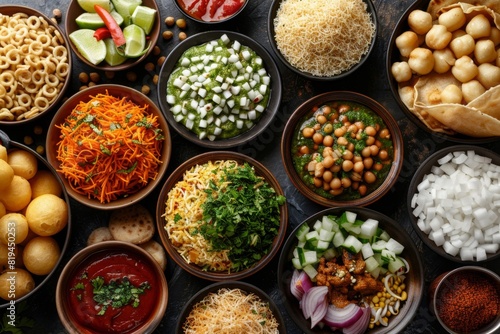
206,11
111,287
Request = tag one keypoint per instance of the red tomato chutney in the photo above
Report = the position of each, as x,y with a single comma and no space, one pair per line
115,268
211,10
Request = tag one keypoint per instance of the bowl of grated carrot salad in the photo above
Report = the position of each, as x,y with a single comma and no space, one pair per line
110,144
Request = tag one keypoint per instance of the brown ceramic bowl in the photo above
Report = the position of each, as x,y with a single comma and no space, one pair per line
20,119
246,288
414,278
177,175
171,64
421,224
125,255
290,151
62,237
451,281
222,14
53,138
393,55
74,10
271,31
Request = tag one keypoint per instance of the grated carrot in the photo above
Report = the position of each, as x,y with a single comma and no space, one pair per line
110,147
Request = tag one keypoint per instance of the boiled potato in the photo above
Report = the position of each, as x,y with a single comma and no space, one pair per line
40,255
471,90
17,195
451,94
464,69
420,21
488,75
23,162
421,61
438,37
15,284
13,228
6,174
452,19
47,214
479,26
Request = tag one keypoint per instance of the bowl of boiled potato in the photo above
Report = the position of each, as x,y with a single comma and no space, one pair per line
35,221
444,71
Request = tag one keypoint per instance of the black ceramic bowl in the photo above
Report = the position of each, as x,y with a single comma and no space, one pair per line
215,287
414,279
275,5
62,237
393,55
223,13
268,114
422,171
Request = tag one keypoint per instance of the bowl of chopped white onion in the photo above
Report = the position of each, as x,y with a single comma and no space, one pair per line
453,201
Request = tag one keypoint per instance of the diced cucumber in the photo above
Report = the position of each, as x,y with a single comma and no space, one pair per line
369,228
322,245
352,228
302,231
338,239
371,264
312,239
296,263
395,265
317,225
352,244
366,250
395,246
310,271
350,216
325,235
384,236
388,256
376,272
379,246
330,253
310,257
329,224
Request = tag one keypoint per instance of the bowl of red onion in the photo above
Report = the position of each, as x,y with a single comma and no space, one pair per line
453,202
350,270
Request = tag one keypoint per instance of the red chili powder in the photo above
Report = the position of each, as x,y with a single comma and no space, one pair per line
467,301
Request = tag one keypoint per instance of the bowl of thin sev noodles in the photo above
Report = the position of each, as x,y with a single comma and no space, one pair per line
110,144
35,64
236,306
221,216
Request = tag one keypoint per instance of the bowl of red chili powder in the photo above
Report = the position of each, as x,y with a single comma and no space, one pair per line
467,300
211,12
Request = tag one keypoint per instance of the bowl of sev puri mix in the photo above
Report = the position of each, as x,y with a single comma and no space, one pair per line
322,40
221,216
110,144
35,64
236,306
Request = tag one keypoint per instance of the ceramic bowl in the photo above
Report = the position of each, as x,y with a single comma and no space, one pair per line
177,175
74,10
214,288
414,278
393,55
52,97
54,133
290,152
268,114
421,224
453,280
271,30
91,257
223,13
62,237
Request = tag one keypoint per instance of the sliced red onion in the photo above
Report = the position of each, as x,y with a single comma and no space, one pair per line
342,317
314,303
359,326
300,283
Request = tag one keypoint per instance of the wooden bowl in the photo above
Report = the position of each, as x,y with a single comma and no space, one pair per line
63,41
289,152
53,138
76,320
192,268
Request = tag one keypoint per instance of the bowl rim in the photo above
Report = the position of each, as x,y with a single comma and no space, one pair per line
177,174
391,53
9,144
246,287
122,91
493,327
424,169
268,114
389,121
111,246
285,269
229,18
75,9
12,9
270,32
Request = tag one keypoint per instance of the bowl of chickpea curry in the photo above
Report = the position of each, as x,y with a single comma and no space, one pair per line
342,148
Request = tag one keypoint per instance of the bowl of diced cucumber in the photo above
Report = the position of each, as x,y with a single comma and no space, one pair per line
350,269
219,89
112,35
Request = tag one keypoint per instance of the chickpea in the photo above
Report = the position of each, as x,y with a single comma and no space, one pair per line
328,128
328,140
336,192
346,182
471,90
347,165
374,150
479,26
304,149
370,130
181,23
359,166
318,182
326,109
357,158
451,94
334,116
347,155
339,132
167,34
438,37
317,138
182,36
488,75
378,166
362,190
383,154
368,162
465,69
342,141
307,132
420,21
369,177
401,71
317,126
452,19
335,168
326,186
327,152
321,119
327,176
170,21
485,52
344,108
335,183
407,42
365,152
421,61
350,147
443,60
462,45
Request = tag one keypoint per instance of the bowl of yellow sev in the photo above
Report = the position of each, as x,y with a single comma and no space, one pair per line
322,40
235,305
35,62
110,144
222,216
